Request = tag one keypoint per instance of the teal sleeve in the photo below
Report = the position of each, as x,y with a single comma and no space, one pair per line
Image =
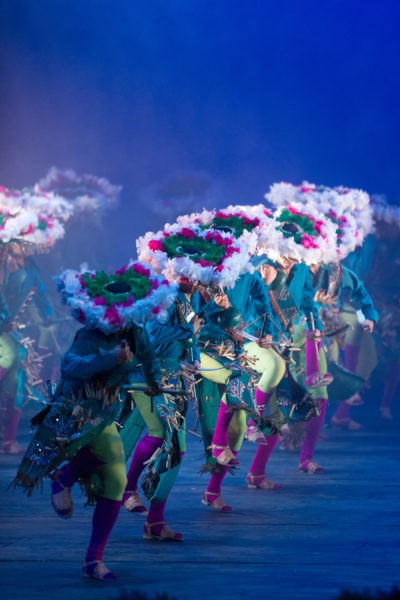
359,294
308,305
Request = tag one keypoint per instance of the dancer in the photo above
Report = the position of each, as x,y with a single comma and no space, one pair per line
78,426
202,256
226,422
291,293
175,344
351,296
23,304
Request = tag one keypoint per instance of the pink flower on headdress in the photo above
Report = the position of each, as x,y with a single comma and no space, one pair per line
319,227
231,250
81,316
156,310
129,301
187,233
305,189
141,270
99,301
122,270
307,241
156,245
204,263
112,316
30,229
294,211
213,235
222,215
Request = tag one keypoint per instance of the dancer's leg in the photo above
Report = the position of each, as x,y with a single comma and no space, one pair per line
312,431
156,528
109,449
220,445
257,478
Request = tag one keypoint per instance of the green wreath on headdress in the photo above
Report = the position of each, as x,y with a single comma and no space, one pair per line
196,248
117,288
233,224
295,225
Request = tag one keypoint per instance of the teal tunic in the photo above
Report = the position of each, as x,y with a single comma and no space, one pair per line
87,400
250,298
295,295
349,289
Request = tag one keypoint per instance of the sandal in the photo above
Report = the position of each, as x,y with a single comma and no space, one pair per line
346,423
254,434
218,502
12,447
311,467
61,499
96,569
261,482
224,455
162,532
134,504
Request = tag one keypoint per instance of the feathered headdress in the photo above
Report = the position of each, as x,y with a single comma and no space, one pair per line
305,235
192,252
247,223
89,194
349,209
131,295
383,211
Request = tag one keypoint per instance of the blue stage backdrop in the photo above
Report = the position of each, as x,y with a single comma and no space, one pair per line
198,102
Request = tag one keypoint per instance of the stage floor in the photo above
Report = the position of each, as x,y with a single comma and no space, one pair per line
317,536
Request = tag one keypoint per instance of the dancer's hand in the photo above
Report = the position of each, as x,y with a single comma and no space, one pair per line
191,367
368,326
123,352
235,335
265,342
314,335
197,323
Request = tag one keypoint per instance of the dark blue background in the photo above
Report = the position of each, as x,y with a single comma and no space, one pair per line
246,92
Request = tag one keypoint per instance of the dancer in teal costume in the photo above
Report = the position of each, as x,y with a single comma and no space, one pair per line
23,303
78,427
289,285
348,295
162,448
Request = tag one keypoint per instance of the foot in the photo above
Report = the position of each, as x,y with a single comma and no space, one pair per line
162,532
311,467
12,447
96,569
61,499
215,500
133,503
346,423
224,455
318,379
262,482
355,400
254,434
291,438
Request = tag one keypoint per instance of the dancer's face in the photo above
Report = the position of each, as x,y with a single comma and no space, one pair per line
222,300
16,258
